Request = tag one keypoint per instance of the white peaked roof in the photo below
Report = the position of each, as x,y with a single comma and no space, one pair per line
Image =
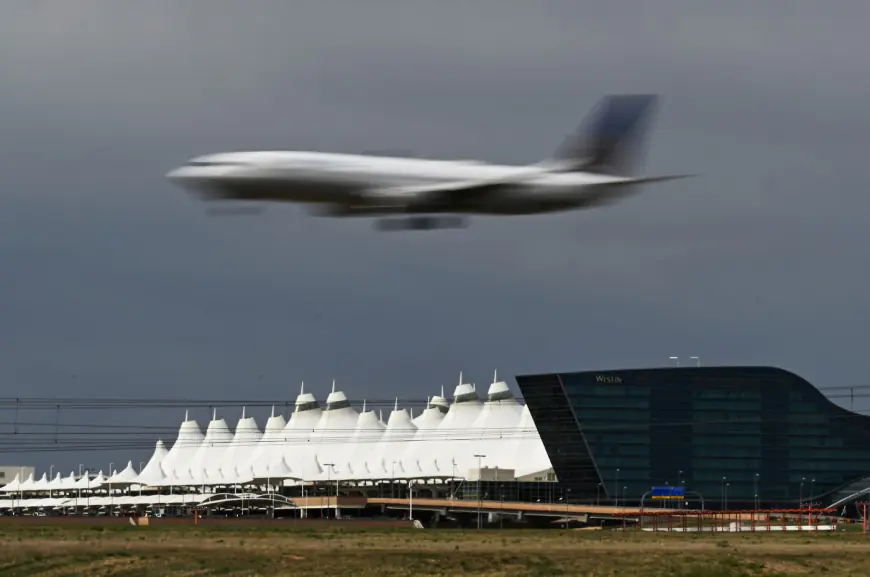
177,462
98,481
385,461
269,449
205,468
333,433
84,482
369,431
152,474
442,441
531,454
56,483
297,446
124,478
69,482
27,484
234,466
419,449
495,428
278,470
13,485
41,484
453,451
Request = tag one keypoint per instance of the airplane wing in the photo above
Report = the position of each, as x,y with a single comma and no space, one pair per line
443,196
438,196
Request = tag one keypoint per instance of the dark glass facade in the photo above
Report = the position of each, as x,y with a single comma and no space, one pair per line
739,437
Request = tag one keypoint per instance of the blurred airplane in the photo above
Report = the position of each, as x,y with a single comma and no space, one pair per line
591,168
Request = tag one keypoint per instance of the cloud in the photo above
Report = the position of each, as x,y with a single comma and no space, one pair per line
110,273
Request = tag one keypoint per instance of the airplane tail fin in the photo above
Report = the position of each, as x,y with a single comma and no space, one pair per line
609,140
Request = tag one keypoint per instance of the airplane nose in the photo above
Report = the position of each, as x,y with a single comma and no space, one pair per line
178,174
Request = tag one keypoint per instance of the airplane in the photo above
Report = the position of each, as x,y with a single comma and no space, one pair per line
591,168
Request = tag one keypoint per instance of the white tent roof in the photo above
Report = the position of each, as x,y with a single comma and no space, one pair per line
152,473
297,446
453,451
419,449
496,427
334,431
68,483
56,483
205,468
385,461
41,484
269,448
27,484
233,464
13,485
531,454
442,441
369,431
178,461
126,477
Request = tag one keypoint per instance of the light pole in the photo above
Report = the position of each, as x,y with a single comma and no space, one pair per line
616,489
812,488
50,473
410,501
757,501
697,361
140,473
680,483
598,496
567,499
677,359
111,498
801,501
328,472
479,457
724,501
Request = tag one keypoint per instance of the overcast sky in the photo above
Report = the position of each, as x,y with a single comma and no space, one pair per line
113,283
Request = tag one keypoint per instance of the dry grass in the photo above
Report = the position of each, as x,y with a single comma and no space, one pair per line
124,550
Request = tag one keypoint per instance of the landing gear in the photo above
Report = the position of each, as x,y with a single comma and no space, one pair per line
420,223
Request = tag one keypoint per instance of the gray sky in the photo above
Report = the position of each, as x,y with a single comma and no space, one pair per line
112,275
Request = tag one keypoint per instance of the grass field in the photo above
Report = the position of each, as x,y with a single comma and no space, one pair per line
80,549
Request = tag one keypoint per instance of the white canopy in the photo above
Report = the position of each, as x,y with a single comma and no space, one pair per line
442,441
12,486
125,478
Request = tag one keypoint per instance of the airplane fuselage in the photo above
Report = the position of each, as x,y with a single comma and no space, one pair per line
347,184
590,168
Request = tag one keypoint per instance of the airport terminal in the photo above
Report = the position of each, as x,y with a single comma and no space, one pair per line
587,446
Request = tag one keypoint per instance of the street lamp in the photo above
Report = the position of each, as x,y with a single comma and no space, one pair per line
141,463
757,499
111,498
680,483
616,489
697,361
410,501
677,359
801,500
812,488
724,502
479,457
